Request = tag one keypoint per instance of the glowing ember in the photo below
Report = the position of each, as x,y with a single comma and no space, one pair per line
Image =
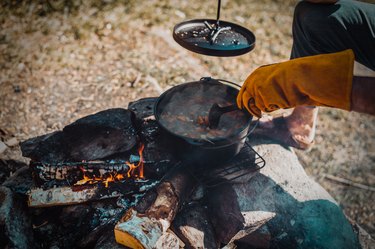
135,171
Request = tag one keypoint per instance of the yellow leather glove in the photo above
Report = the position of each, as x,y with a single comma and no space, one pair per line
320,80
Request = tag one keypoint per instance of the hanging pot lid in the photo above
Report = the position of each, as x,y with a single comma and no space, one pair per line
215,38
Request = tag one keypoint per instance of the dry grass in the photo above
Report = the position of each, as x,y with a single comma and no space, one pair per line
63,61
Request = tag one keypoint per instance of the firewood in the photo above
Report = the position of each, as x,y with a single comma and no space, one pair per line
38,197
194,228
168,241
144,224
221,201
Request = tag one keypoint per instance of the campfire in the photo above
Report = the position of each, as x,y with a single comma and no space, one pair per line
118,164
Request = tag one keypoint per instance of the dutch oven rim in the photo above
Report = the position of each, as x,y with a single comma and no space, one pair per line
201,142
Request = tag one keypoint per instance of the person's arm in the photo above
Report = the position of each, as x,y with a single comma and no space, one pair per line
320,80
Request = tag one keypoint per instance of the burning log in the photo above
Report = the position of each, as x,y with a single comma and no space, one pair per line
144,224
86,179
70,171
80,173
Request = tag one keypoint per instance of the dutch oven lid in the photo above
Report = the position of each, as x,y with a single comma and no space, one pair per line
213,37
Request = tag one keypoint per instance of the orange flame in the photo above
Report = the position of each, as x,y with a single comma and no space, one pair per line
139,166
115,176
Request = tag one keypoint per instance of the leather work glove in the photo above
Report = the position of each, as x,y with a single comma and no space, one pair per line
320,80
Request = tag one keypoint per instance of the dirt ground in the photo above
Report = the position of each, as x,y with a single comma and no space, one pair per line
62,60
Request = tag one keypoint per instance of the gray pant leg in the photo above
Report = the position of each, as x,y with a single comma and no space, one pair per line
329,28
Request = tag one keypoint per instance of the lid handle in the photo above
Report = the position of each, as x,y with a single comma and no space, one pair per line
218,12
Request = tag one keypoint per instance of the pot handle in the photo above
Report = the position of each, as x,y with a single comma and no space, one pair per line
236,85
239,87
198,143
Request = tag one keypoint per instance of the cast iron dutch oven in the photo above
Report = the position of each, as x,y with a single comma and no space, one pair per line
182,112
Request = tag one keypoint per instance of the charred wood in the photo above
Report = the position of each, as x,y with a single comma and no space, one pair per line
71,172
61,227
49,148
93,137
107,241
15,224
143,108
70,216
21,181
157,153
90,240
221,201
102,134
67,226
8,167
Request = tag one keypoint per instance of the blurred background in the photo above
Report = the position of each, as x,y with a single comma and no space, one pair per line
62,60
